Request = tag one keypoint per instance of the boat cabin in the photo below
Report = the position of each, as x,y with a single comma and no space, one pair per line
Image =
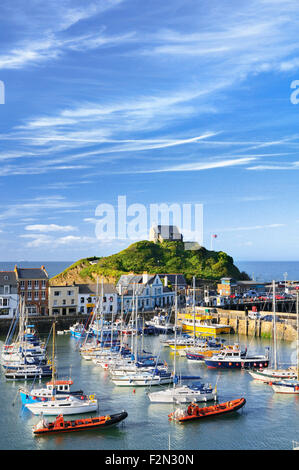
60,385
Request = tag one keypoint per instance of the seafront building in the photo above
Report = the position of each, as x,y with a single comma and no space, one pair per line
229,286
148,289
63,300
33,288
8,294
90,293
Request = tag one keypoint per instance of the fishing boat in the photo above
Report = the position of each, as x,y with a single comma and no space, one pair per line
160,324
60,388
82,424
193,411
200,353
234,358
274,373
77,330
203,324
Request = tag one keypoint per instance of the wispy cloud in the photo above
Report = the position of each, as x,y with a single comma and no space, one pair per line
50,228
249,228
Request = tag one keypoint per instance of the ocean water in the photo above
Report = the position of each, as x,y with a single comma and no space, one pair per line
52,267
268,420
270,270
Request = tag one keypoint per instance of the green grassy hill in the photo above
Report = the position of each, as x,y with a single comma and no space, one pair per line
165,257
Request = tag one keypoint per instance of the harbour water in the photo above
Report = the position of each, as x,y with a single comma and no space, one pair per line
268,420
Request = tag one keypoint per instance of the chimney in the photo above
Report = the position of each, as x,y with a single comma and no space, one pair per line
165,281
144,278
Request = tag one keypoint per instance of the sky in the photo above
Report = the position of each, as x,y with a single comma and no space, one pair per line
179,102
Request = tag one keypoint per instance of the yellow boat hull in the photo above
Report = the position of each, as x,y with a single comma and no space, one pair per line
209,330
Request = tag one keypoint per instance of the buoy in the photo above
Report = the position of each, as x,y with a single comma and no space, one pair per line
133,390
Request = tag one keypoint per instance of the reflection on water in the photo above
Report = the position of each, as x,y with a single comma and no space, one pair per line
268,420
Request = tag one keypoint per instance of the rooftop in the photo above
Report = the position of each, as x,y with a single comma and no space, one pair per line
31,273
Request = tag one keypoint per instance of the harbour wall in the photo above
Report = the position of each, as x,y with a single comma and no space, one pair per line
242,325
239,323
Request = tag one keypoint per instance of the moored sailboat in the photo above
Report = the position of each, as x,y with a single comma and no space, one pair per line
181,393
290,386
274,373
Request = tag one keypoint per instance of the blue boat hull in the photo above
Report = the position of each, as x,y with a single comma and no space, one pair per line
245,364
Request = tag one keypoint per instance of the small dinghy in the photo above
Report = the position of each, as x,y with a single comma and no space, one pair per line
60,425
194,412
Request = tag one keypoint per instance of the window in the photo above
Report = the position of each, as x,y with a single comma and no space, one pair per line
4,311
5,278
35,284
63,302
6,289
36,296
29,284
82,300
29,295
56,293
70,292
43,295
43,284
55,302
22,284
73,301
3,302
31,310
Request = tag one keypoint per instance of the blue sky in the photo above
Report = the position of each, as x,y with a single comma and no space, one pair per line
163,102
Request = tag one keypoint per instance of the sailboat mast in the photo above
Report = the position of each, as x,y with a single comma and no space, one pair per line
136,336
274,327
175,331
53,356
297,312
121,317
194,311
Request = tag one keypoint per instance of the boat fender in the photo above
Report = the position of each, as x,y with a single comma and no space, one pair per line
91,397
107,418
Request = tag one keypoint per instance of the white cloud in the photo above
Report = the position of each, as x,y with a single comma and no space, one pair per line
254,227
51,228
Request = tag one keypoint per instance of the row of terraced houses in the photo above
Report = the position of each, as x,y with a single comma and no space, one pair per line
32,285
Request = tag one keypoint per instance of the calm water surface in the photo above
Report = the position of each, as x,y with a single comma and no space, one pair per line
268,421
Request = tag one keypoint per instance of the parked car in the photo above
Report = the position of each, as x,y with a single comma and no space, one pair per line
270,318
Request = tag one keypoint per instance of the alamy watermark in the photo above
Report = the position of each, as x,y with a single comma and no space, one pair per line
2,92
156,222
294,98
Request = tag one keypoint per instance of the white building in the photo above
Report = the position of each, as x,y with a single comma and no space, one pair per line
89,293
148,288
8,294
